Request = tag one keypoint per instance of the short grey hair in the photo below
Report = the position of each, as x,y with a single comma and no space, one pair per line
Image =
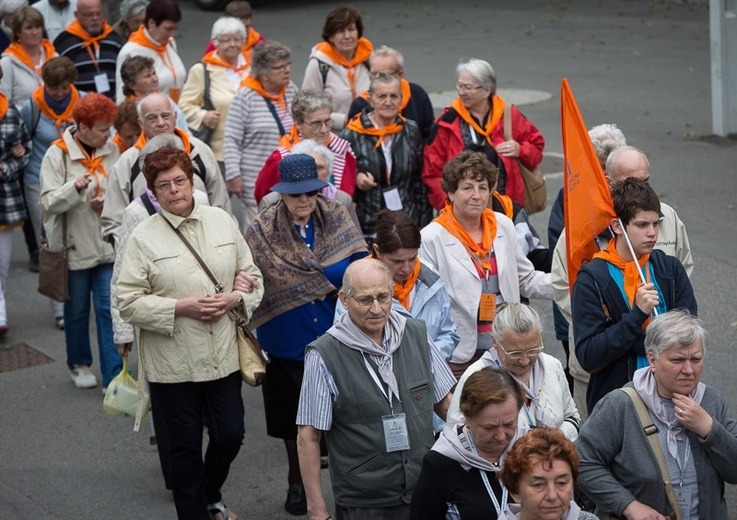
674,329
11,6
308,101
312,146
363,265
516,318
386,79
388,51
482,72
140,102
227,25
606,138
157,142
612,167
265,54
129,8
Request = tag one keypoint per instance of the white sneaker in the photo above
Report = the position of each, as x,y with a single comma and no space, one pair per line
82,377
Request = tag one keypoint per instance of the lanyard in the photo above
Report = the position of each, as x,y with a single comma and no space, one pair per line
682,466
94,57
530,420
371,371
505,494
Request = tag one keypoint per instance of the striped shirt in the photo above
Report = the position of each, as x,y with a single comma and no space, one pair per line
69,45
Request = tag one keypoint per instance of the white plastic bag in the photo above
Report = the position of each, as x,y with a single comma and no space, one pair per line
121,397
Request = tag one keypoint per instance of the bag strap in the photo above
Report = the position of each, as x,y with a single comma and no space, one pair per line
207,101
507,122
147,203
272,109
651,433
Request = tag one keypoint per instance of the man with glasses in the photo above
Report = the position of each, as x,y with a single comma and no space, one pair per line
370,384
156,117
93,46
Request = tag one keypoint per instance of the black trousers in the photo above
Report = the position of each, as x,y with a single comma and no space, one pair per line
196,483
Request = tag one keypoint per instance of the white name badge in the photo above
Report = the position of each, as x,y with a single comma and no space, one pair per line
392,200
684,502
102,83
395,432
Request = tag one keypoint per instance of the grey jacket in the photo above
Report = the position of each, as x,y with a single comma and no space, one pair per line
618,465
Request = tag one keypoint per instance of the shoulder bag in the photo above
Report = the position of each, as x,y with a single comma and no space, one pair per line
53,266
251,355
205,133
536,194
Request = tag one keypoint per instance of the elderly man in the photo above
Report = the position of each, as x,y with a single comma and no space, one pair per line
371,384
156,117
416,103
621,163
694,430
93,47
57,15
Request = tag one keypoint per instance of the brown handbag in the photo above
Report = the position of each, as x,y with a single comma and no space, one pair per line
251,356
53,268
536,194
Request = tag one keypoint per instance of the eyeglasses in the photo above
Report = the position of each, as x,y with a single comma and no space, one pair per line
96,14
375,74
152,118
312,193
281,67
519,354
466,88
368,301
226,41
317,125
166,186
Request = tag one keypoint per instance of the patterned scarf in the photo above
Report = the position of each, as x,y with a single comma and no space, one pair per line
254,84
364,48
292,272
497,110
479,254
356,125
65,117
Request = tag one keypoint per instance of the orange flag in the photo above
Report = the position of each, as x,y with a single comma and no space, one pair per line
587,200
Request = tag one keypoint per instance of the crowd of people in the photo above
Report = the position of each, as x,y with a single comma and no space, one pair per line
383,257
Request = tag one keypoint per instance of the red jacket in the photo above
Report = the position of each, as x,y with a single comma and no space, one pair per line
447,143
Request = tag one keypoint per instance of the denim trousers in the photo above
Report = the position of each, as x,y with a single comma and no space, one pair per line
196,483
94,284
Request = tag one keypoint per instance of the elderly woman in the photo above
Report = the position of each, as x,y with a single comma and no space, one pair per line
22,60
339,64
459,477
242,10
540,473
695,428
477,254
212,84
154,39
187,344
73,183
303,245
388,152
259,116
132,15
476,116
517,346
127,127
311,112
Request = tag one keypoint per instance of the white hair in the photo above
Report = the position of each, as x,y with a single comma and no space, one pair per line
139,104
482,72
227,25
308,146
388,51
606,138
11,6
130,7
674,329
517,318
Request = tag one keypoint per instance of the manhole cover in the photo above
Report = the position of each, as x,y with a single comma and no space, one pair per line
19,356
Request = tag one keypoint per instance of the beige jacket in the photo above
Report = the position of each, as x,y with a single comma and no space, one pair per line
59,197
157,270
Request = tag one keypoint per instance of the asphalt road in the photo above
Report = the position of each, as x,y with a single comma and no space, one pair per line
644,66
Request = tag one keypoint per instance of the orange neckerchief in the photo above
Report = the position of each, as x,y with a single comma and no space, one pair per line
290,138
17,50
254,84
58,119
631,276
479,254
497,110
406,94
252,39
401,292
3,105
141,39
93,164
394,128
75,28
119,142
181,133
505,201
364,48
212,58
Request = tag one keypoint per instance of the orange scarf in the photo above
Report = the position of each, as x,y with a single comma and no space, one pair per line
75,28
363,53
479,254
290,138
119,142
65,117
630,269
402,292
20,53
141,39
252,39
212,58
254,84
406,94
3,105
497,110
394,128
93,164
181,133
505,201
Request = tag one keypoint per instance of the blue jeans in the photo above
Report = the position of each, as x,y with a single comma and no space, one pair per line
94,281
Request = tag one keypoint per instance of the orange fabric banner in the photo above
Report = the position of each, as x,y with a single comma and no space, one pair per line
587,200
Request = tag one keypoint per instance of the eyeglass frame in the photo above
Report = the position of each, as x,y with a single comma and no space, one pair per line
374,75
317,125
279,68
363,300
467,88
165,186
519,354
312,193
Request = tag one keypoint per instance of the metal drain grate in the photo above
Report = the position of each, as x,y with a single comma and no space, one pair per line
21,355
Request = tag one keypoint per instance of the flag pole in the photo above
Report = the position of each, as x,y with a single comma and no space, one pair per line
634,257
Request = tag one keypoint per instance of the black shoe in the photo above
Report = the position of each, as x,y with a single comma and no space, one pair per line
33,263
296,503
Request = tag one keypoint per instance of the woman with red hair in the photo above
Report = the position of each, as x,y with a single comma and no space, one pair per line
74,175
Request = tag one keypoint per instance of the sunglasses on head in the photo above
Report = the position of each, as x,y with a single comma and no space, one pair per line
309,194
